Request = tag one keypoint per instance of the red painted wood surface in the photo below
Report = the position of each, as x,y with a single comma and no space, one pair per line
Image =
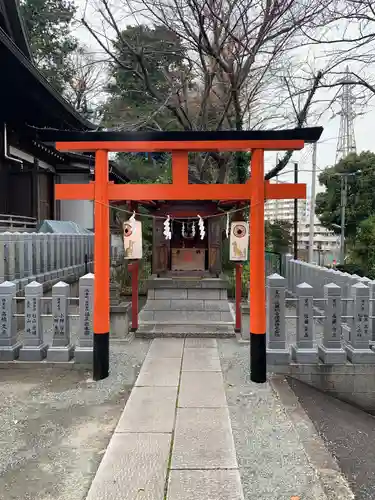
134,269
238,295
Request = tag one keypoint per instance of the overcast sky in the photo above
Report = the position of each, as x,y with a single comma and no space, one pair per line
364,124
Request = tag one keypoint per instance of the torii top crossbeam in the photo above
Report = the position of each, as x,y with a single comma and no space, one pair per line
257,190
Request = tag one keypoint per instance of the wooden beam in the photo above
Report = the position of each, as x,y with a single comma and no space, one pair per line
285,191
180,169
135,192
74,191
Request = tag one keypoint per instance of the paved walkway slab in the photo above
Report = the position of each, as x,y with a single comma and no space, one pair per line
166,348
200,359
202,390
134,466
200,342
205,485
203,439
159,371
149,409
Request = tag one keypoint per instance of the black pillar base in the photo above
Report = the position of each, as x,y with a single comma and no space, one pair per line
101,356
258,358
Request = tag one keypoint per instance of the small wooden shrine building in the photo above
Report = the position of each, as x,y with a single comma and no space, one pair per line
186,253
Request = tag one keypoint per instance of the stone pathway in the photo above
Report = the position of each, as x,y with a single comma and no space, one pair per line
174,440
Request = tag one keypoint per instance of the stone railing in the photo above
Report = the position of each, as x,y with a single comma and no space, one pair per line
44,257
22,223
56,328
332,328
297,271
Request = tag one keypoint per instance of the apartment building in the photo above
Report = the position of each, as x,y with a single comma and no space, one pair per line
284,210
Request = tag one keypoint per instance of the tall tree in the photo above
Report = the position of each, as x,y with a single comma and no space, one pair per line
360,194
235,52
278,235
84,87
363,251
131,104
48,24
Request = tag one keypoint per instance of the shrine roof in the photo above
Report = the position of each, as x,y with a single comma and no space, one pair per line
27,97
308,135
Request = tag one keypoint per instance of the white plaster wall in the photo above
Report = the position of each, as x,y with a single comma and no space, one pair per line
79,211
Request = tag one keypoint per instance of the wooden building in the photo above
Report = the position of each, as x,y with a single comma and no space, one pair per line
186,253
29,169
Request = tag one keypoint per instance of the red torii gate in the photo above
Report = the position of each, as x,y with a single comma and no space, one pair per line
257,190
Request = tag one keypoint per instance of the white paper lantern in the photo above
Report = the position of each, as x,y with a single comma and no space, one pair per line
239,241
133,239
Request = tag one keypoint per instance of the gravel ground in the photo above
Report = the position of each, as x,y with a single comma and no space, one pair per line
273,462
348,432
55,425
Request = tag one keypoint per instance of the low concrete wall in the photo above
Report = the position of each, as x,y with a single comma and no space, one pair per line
354,384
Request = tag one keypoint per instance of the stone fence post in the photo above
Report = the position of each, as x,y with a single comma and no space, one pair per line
7,257
84,352
9,346
61,253
277,351
50,254
372,311
82,251
44,255
304,350
331,351
61,349
19,255
28,254
358,348
33,348
36,254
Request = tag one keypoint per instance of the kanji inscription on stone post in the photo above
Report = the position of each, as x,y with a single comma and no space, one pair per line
4,318
359,335
32,317
305,316
331,351
33,348
86,296
9,346
304,351
277,351
358,348
60,297
61,349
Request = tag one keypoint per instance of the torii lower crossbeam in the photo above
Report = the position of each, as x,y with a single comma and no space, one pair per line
256,190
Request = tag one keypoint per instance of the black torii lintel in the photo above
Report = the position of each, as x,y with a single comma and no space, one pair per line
308,135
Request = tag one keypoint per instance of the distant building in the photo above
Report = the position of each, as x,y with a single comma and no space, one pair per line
284,210
325,243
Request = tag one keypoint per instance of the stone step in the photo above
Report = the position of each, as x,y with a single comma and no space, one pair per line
185,316
186,305
180,283
181,329
187,294
181,335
